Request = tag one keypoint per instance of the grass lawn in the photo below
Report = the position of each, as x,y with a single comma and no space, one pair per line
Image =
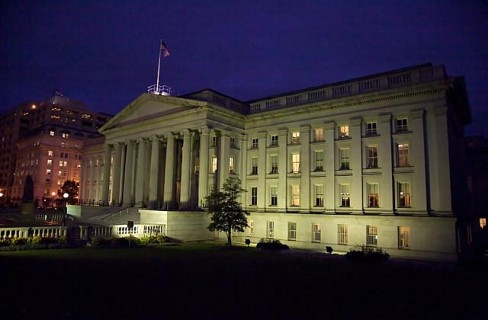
208,281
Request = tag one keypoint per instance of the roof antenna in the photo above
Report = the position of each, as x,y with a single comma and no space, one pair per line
156,88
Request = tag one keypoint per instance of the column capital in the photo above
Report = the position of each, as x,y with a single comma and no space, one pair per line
204,130
283,131
355,121
262,134
305,129
244,137
384,118
185,132
329,125
419,113
170,135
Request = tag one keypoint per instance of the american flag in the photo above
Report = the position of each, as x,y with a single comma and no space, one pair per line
164,49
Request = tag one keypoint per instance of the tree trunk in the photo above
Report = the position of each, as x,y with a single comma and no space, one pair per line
229,238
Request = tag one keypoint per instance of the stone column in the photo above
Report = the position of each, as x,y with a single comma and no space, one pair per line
417,160
224,156
128,174
282,169
330,166
154,173
116,174
305,168
356,167
262,192
140,169
385,160
185,170
168,200
106,173
203,172
243,168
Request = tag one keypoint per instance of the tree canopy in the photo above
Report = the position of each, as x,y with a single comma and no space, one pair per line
70,187
227,213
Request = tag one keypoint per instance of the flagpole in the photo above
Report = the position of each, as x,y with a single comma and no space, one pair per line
159,67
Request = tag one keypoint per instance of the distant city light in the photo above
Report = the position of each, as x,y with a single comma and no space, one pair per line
33,106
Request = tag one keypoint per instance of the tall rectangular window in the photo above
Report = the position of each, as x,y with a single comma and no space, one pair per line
371,128
345,195
50,153
254,165
402,155
319,160
254,196
344,159
319,195
233,142
292,231
342,234
371,236
295,161
373,195
273,190
343,131
316,232
274,164
295,137
403,237
318,135
270,229
251,227
401,124
232,168
274,141
372,157
254,143
213,141
214,164
49,162
404,199
295,195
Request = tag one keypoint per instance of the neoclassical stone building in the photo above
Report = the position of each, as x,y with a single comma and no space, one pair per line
370,161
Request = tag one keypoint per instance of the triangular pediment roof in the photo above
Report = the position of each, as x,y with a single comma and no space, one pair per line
149,106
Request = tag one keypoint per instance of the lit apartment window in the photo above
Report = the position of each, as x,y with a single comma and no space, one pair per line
60,163
48,171
214,164
319,161
274,164
482,223
343,131
403,237
292,231
295,137
51,133
371,236
49,162
65,135
319,195
344,160
316,232
345,195
402,155
251,227
270,229
254,143
254,196
295,195
273,190
372,157
295,161
373,195
404,200
401,124
254,165
342,234
371,128
50,153
274,141
318,135
232,167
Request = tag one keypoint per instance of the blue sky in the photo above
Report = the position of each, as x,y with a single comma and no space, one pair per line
105,53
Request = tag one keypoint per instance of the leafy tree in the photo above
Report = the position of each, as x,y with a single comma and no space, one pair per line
70,187
227,213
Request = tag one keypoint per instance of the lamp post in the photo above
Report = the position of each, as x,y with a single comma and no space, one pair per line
65,196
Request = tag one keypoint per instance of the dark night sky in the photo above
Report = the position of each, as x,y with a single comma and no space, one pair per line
105,52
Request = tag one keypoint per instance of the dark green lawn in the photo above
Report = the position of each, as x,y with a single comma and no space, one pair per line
206,281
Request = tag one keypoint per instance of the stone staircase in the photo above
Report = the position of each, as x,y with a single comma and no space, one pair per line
120,216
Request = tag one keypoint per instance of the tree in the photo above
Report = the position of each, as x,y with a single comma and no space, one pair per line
71,188
227,213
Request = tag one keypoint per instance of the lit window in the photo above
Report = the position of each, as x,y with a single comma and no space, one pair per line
292,231
371,236
402,155
65,135
319,195
319,161
295,195
274,141
295,162
344,131
404,200
232,165
295,137
372,157
342,234
403,237
401,124
273,190
482,223
270,229
316,232
344,160
345,195
274,164
214,164
51,133
48,171
318,135
371,128
254,165
60,163
373,195
49,162
254,196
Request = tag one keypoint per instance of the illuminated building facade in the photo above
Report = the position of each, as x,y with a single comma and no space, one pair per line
375,160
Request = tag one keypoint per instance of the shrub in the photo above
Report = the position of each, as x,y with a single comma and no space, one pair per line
125,242
367,254
5,242
271,245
